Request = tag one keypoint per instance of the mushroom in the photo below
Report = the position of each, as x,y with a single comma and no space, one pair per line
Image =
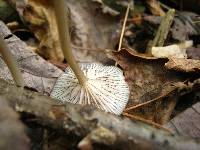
88,84
11,63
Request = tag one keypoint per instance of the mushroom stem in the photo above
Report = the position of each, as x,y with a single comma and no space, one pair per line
63,29
11,63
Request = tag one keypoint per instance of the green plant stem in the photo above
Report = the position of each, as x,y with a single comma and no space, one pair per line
63,29
11,63
164,28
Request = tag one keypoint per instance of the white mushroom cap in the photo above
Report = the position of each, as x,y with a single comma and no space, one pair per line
105,88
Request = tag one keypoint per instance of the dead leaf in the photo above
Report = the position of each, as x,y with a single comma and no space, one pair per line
37,73
12,131
60,65
184,26
114,7
193,53
155,8
148,79
187,123
169,51
41,19
90,28
183,65
175,50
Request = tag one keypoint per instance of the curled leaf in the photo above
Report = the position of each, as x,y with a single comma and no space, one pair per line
183,65
148,79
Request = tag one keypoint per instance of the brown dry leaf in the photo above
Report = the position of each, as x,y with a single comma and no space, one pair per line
90,28
148,79
12,131
37,73
155,8
41,20
114,7
183,65
184,25
193,53
187,123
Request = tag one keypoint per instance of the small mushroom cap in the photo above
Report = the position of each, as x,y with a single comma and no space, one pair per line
105,88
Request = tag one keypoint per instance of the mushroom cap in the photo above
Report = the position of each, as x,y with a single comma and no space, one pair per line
105,88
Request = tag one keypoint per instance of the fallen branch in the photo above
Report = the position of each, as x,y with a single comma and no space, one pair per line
91,125
12,131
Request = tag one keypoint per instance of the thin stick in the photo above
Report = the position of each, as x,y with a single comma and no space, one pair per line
140,105
63,29
123,28
11,63
146,121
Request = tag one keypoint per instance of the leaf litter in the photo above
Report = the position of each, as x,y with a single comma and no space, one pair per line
37,73
92,29
155,83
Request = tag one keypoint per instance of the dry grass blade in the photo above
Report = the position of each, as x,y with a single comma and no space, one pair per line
123,28
148,102
146,121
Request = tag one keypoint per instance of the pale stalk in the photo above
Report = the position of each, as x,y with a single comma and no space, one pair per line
11,63
63,29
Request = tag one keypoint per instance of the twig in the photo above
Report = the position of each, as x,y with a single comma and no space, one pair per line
80,121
